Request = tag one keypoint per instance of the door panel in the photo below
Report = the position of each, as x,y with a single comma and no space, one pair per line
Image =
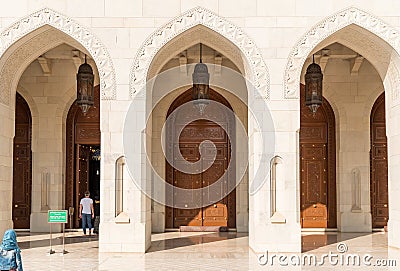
22,166
215,214
187,217
314,190
379,165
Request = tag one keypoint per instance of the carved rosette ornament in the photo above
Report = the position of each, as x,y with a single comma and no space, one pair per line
81,34
199,16
323,30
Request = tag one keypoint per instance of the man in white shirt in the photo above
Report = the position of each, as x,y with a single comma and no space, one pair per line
86,212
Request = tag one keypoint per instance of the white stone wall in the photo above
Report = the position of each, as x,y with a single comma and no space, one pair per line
123,26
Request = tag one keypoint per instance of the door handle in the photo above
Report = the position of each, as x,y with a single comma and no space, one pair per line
16,205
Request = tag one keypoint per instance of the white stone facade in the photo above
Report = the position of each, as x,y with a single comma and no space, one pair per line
268,43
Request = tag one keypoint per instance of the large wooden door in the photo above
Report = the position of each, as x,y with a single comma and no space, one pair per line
379,165
22,165
317,166
221,213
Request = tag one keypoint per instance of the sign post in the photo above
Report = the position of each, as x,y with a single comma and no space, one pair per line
57,216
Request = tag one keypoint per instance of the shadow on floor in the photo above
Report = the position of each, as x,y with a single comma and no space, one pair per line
57,241
184,241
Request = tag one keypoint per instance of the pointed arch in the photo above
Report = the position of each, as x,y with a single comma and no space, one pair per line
81,34
256,69
324,29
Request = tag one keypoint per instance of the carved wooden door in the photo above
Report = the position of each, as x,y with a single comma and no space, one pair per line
379,165
22,166
82,174
220,213
317,166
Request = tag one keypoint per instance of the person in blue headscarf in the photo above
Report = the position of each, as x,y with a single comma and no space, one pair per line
10,254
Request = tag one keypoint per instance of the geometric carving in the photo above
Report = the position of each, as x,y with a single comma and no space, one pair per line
87,133
65,24
199,16
195,132
313,133
324,29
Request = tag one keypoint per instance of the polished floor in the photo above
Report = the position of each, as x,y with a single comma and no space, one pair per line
208,251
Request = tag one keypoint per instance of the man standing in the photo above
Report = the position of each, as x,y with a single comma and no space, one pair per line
86,212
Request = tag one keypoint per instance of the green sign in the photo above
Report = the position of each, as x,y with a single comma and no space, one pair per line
57,216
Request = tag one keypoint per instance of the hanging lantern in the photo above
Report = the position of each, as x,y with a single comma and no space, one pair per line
85,88
201,79
313,87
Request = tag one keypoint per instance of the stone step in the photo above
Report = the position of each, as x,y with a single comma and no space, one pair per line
203,228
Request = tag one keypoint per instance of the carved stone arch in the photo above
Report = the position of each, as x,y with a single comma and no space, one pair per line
30,101
47,17
191,37
258,71
321,31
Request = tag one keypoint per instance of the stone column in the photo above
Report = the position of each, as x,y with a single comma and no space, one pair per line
6,169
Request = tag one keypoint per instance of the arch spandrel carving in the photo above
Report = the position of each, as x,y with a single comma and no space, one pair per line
322,31
199,16
92,44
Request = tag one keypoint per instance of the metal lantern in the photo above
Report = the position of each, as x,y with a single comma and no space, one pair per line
85,88
313,87
201,79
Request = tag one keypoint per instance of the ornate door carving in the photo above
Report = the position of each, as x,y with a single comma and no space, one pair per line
379,165
221,213
22,165
317,166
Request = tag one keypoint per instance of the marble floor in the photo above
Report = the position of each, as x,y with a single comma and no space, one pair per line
206,251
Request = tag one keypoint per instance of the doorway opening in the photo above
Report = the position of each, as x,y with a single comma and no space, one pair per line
83,156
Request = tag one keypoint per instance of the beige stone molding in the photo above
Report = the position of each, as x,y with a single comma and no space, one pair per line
122,218
259,76
278,218
323,30
68,26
